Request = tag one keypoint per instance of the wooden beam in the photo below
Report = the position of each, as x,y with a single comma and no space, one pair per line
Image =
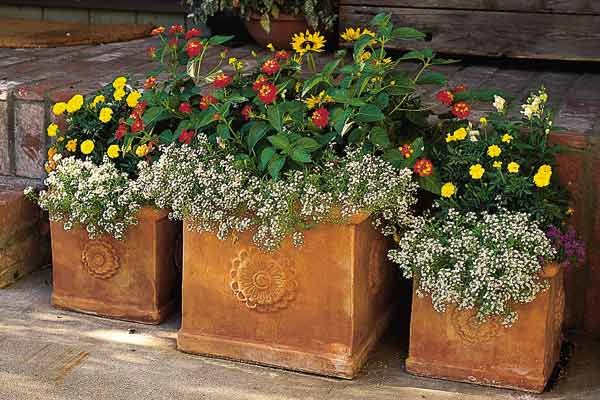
487,33
171,6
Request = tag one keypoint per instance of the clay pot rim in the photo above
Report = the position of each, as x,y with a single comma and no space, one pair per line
551,269
280,17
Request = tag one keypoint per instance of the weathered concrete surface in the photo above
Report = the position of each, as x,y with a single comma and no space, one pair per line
48,354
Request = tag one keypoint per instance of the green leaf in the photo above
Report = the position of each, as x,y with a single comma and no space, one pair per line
380,19
430,183
330,67
280,141
257,132
382,100
413,55
379,137
300,155
219,39
167,136
153,114
274,117
223,131
265,23
184,124
360,46
311,83
275,165
308,144
369,113
432,78
407,33
265,156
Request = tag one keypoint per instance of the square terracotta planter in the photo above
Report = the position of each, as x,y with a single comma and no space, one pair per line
24,237
134,279
319,308
454,346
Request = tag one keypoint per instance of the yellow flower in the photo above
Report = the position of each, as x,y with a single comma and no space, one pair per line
142,150
97,100
59,108
303,44
483,121
365,55
71,145
494,151
52,129
87,146
119,94
506,138
133,98
315,101
75,103
460,134
232,60
271,47
105,115
570,211
545,170
497,164
351,34
113,151
120,82
476,171
513,167
448,189
541,180
51,152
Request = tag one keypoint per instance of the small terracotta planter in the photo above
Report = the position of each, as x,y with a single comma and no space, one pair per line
454,346
318,308
282,30
134,279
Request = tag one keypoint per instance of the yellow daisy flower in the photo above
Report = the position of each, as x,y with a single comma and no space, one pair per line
309,42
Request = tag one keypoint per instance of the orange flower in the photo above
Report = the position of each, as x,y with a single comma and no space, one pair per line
423,167
261,80
271,67
151,52
150,82
193,48
158,31
445,97
222,81
461,110
406,150
267,93
176,29
206,101
194,32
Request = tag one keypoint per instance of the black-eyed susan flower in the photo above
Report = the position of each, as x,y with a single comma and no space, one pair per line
310,42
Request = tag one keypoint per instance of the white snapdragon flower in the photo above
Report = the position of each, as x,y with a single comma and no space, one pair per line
499,103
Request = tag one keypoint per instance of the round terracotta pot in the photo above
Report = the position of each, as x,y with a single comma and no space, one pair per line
282,30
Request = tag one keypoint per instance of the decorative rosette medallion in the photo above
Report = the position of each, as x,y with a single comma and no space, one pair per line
264,282
100,259
471,330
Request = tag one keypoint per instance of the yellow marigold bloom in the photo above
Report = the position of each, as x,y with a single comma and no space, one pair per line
133,98
71,145
513,167
119,94
450,138
50,166
460,134
506,138
448,189
59,108
51,152
113,151
142,150
476,171
541,180
105,115
309,42
497,164
97,100
87,146
52,129
545,170
483,121
494,151
120,82
75,103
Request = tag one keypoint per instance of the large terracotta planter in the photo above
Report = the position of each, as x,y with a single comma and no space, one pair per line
132,279
319,308
454,346
282,30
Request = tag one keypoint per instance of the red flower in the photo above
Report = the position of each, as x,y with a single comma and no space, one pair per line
186,136
158,31
185,108
320,117
445,97
406,150
261,80
461,110
193,48
138,125
139,109
151,52
206,101
282,55
460,88
194,32
222,81
271,67
267,93
176,29
173,42
246,111
121,131
423,167
150,82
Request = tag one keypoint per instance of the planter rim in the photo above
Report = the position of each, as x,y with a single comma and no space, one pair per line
281,17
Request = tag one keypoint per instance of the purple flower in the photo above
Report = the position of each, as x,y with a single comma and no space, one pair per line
571,249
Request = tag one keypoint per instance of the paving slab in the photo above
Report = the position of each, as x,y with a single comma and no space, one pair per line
50,354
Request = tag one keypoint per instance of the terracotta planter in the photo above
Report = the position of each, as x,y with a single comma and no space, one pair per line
132,279
282,30
319,308
452,345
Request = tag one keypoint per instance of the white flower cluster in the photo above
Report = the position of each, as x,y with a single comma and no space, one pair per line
534,107
483,261
97,197
212,193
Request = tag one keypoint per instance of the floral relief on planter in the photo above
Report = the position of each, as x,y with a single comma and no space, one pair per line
132,279
454,345
310,308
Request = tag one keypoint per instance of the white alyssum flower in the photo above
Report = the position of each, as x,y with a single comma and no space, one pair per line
486,262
